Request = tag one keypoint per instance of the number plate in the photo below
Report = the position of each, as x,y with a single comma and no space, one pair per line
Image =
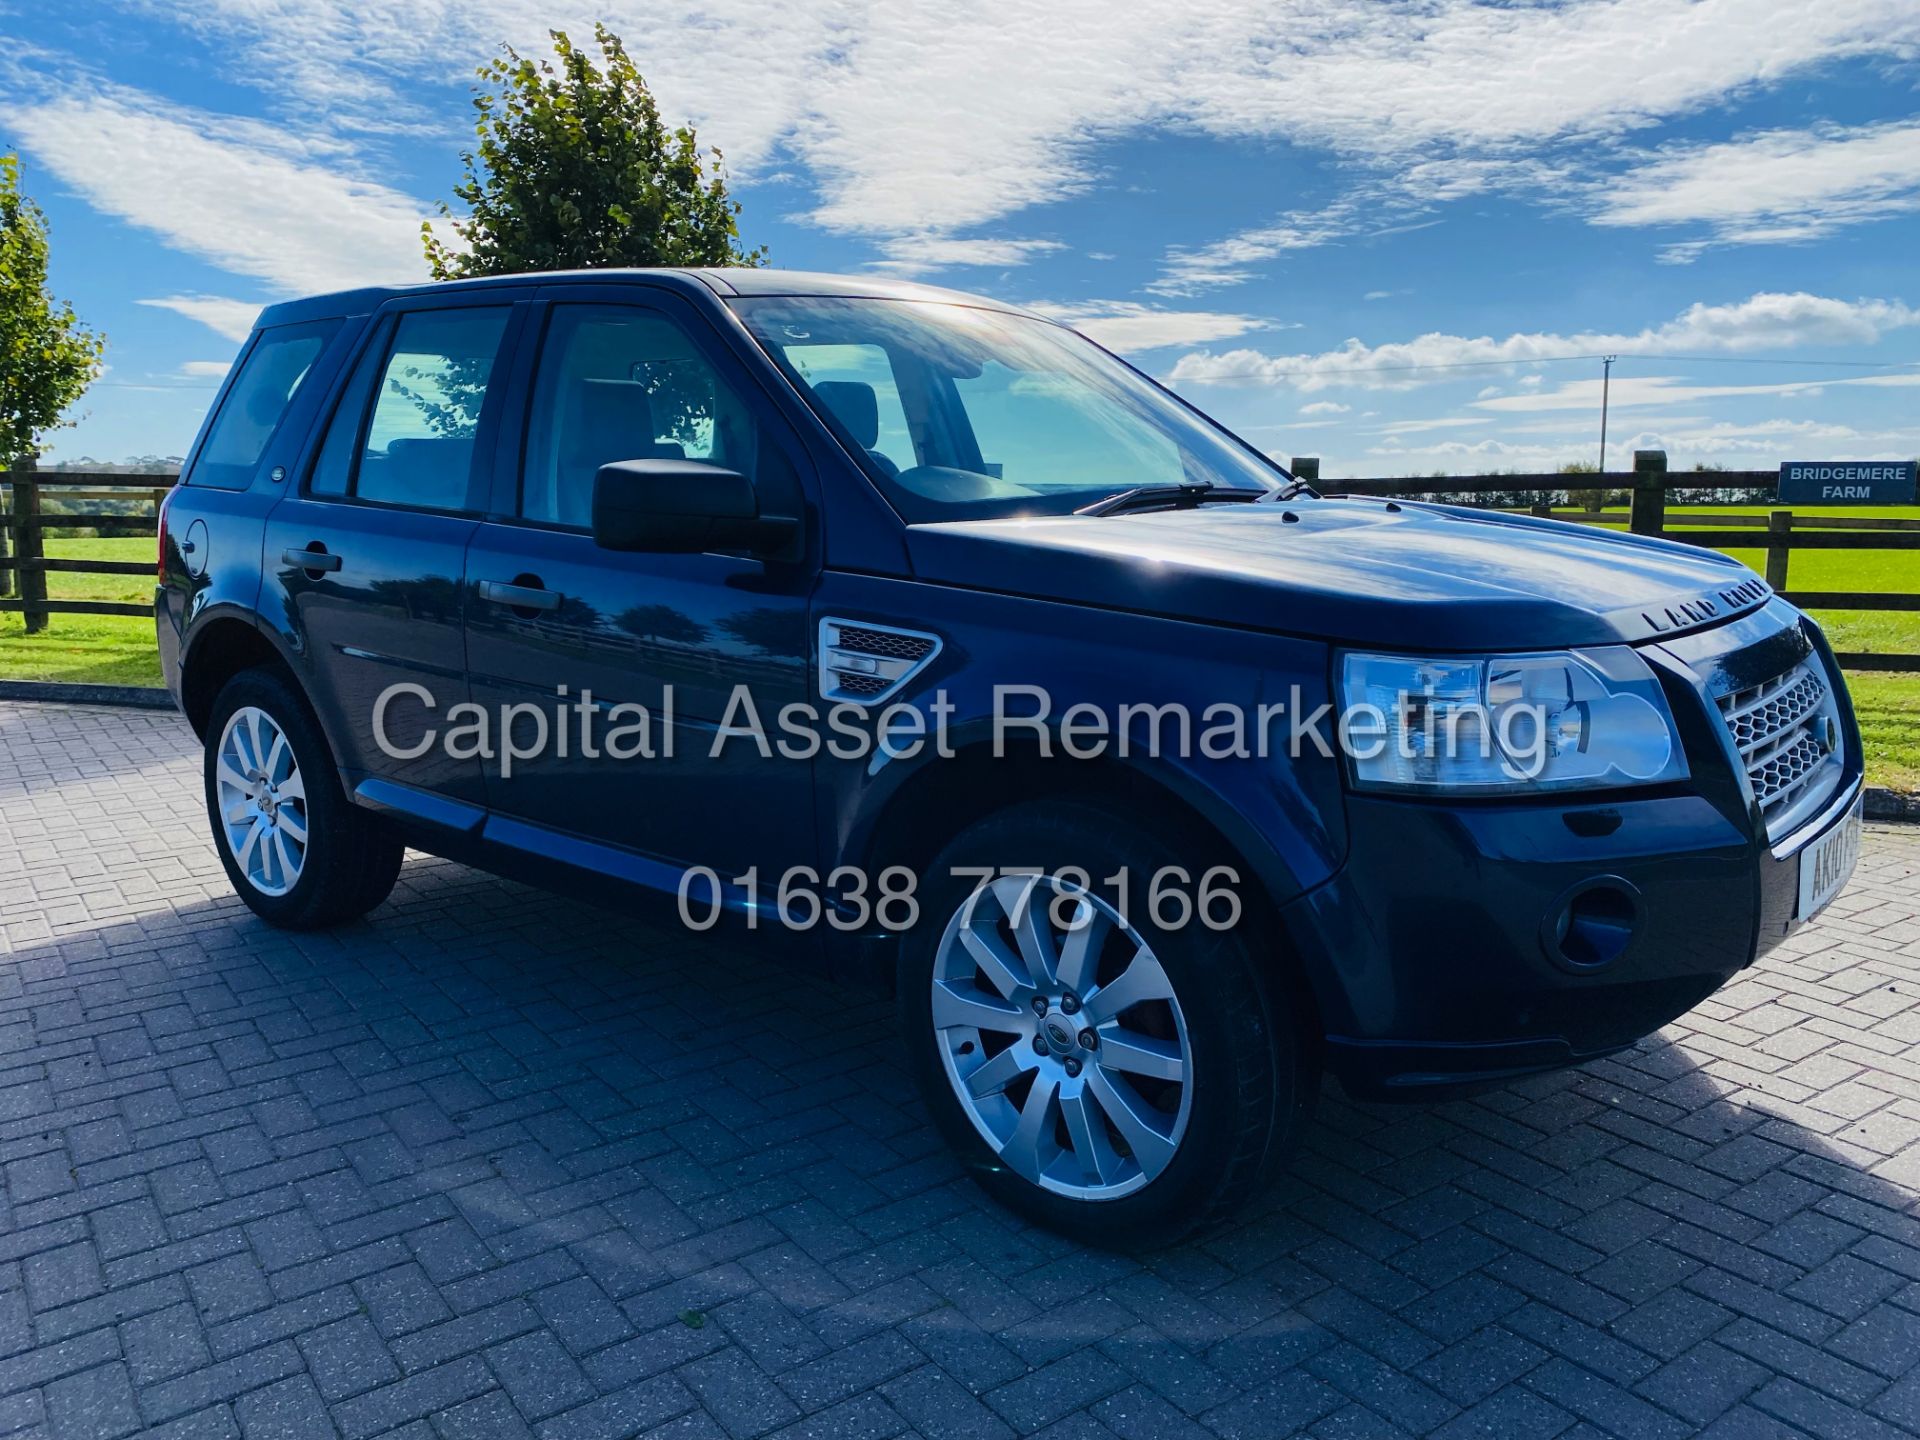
1826,864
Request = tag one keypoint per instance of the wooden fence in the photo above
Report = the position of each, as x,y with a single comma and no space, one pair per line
24,565
1777,533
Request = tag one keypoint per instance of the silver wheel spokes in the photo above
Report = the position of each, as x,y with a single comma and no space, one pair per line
1062,1037
263,801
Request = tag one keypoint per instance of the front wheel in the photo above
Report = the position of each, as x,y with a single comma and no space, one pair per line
1103,1074
296,849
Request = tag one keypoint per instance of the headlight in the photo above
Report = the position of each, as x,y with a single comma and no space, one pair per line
1567,720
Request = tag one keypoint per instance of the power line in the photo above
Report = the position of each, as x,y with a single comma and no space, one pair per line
1624,355
1762,360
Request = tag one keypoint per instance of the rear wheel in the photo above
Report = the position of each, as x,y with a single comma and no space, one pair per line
1103,1074
296,849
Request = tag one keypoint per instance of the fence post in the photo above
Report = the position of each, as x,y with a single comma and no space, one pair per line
6,536
1779,526
1649,513
26,519
1305,467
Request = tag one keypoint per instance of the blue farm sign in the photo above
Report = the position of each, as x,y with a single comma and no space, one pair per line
1847,482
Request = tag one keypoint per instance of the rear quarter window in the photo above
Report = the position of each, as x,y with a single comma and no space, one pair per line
256,403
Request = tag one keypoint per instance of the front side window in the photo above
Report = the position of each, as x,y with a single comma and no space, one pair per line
419,444
257,402
997,414
623,383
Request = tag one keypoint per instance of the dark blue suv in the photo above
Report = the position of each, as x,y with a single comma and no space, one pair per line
929,641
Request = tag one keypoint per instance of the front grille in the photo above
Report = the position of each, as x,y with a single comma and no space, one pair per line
885,642
1787,733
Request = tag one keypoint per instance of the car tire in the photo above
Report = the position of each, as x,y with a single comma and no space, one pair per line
1115,1156
297,851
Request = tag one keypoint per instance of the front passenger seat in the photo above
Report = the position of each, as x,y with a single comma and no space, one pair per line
857,408
612,420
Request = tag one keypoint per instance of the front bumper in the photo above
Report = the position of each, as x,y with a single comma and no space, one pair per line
1468,943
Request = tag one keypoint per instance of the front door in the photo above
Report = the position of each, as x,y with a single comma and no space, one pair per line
631,663
369,551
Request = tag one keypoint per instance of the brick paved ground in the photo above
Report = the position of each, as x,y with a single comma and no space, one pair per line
494,1163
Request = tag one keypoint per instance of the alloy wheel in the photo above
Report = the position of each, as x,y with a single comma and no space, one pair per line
263,801
1062,1037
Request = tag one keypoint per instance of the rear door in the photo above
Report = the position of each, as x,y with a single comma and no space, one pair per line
369,554
555,622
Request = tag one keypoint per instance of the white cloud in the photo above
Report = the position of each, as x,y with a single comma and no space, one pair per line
233,192
231,318
1762,322
204,369
1324,407
917,254
1775,187
1188,271
1724,437
1130,327
1634,391
1445,422
917,118
1463,457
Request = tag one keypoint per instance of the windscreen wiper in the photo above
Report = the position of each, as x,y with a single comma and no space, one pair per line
1170,497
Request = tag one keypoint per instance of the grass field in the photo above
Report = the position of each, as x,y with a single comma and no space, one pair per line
1871,631
112,650
96,649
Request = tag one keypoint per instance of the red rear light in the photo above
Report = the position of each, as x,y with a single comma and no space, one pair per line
160,532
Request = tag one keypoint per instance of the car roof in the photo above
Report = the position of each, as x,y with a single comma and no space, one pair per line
702,283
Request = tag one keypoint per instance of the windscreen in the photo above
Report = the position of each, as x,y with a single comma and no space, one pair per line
962,412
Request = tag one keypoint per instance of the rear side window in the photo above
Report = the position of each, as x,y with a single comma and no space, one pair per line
333,467
257,402
417,447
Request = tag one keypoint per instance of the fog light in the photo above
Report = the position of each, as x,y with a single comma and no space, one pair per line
1590,926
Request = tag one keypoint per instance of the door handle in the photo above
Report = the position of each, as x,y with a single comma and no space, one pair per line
309,559
519,597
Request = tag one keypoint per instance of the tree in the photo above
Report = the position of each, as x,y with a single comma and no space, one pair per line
47,357
576,170
1591,498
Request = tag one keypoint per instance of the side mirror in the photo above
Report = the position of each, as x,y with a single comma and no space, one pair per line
682,507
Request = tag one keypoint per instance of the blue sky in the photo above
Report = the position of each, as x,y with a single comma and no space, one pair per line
1375,231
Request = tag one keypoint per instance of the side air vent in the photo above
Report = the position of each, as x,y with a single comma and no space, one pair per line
865,664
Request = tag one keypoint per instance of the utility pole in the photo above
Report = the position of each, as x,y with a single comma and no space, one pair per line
1606,384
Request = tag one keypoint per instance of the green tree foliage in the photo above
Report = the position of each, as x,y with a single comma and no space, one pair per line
576,170
1592,498
47,357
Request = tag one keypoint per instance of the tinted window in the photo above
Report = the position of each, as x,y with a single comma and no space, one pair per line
419,447
256,403
622,383
857,385
1009,414
333,467
1038,429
